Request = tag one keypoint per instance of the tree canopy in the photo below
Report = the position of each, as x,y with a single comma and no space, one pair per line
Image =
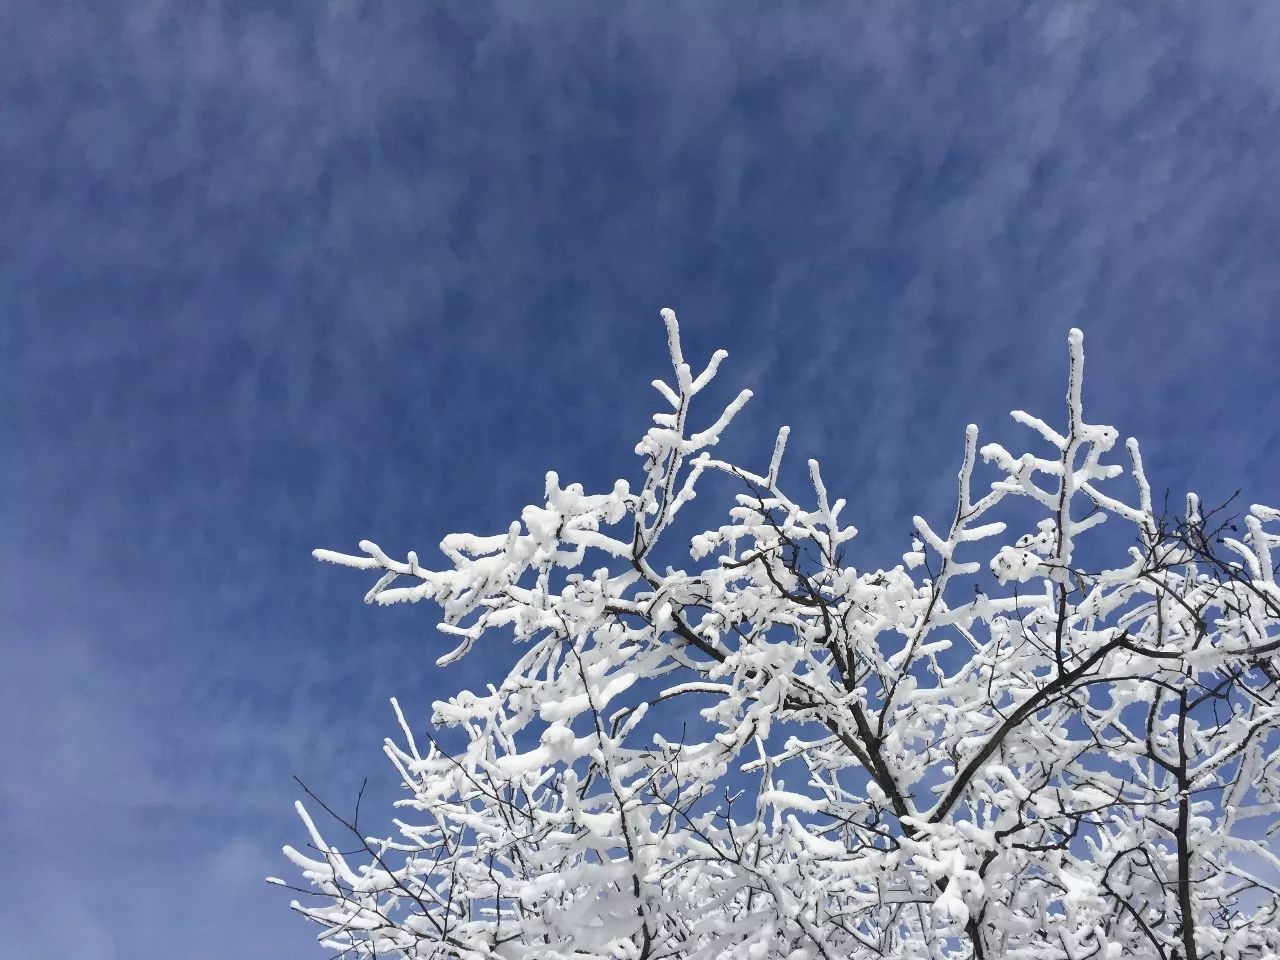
1047,730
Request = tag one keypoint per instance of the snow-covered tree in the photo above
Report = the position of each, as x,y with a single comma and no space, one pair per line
1050,741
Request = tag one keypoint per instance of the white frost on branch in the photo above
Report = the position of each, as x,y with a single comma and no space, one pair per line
991,749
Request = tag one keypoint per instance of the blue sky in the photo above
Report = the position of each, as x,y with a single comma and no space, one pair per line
280,275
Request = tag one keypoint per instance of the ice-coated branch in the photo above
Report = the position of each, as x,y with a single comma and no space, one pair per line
1043,739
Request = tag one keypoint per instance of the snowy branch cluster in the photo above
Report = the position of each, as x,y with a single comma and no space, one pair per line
996,748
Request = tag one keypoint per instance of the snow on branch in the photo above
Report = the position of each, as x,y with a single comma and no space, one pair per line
992,746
